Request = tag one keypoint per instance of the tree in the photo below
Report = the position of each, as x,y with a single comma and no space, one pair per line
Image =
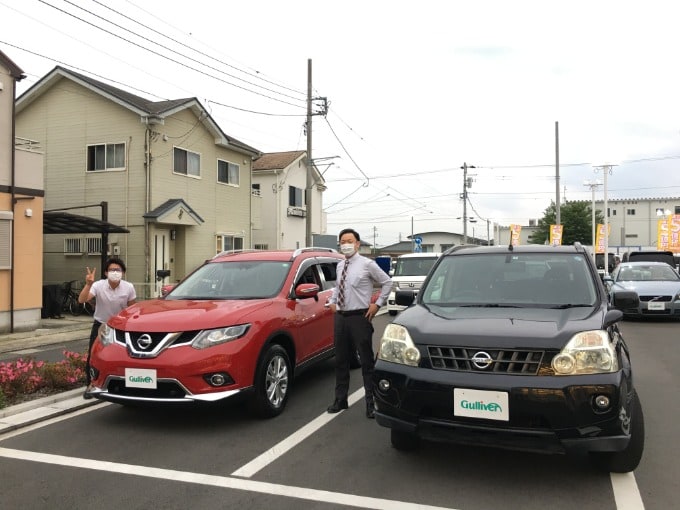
576,218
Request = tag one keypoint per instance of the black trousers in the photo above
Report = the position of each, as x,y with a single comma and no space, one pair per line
93,336
353,332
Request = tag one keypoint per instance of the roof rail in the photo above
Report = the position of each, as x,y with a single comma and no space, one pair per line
232,252
313,248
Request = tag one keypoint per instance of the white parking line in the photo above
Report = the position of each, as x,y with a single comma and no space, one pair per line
291,441
336,498
626,492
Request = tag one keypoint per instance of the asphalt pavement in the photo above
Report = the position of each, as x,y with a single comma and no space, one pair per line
51,331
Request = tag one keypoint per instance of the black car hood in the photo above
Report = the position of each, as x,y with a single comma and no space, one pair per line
533,328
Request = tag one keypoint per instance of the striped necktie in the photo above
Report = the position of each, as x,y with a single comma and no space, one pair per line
341,287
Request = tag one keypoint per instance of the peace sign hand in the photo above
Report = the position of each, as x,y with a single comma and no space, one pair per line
89,277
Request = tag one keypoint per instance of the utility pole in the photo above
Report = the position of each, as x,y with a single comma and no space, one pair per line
375,229
607,168
310,161
593,186
557,174
466,185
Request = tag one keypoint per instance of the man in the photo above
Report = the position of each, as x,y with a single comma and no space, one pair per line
351,304
112,295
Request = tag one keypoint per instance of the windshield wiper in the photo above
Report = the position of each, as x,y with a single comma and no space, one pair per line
489,305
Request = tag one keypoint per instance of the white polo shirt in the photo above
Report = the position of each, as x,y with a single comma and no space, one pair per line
111,301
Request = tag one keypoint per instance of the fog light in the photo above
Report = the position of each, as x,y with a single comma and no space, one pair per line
384,385
218,379
602,402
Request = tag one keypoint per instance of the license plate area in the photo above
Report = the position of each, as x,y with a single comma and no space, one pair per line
140,378
656,305
488,405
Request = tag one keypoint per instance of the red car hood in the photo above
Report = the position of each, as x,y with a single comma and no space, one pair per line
159,315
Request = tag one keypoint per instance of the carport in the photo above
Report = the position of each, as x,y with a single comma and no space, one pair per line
57,221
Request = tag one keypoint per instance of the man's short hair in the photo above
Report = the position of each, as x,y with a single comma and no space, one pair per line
349,231
115,260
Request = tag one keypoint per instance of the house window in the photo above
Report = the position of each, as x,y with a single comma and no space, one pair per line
613,212
630,212
93,245
5,242
295,196
228,173
677,209
261,246
228,242
186,162
73,246
106,156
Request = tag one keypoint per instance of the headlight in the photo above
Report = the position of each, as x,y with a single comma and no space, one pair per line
209,337
396,346
107,335
589,352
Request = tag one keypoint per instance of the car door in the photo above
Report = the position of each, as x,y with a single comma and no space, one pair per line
314,321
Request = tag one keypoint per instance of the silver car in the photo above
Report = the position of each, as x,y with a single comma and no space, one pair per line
656,283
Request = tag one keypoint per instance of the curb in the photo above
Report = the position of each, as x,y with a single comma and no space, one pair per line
34,411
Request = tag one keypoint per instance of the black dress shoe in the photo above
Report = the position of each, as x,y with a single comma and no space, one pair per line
337,406
370,410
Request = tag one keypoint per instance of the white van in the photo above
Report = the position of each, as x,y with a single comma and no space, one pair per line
410,272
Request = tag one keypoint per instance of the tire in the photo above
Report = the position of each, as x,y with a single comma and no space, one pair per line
88,308
393,312
272,383
74,307
629,458
404,441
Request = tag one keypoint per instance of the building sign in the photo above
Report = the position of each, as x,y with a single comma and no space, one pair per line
297,211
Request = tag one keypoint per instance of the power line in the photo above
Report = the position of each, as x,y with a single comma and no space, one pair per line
194,49
169,58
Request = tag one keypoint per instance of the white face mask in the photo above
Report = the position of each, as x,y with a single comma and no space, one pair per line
114,277
347,249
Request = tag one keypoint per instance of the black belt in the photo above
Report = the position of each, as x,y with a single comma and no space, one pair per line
345,313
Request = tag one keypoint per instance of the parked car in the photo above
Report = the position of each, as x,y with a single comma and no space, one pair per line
656,283
651,256
512,347
409,273
242,323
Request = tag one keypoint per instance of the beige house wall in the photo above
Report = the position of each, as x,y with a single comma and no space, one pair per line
67,117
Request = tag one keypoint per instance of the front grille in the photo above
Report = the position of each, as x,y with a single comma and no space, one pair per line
155,339
503,361
664,299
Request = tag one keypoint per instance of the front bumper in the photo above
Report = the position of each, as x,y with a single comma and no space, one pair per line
547,414
671,309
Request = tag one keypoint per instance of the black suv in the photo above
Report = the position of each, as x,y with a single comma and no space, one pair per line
513,347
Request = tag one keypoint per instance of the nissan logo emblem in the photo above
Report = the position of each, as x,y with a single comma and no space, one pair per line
144,341
482,360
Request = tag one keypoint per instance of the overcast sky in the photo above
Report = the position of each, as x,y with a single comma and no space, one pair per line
415,90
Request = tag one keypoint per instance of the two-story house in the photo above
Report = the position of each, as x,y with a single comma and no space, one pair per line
21,208
167,172
280,211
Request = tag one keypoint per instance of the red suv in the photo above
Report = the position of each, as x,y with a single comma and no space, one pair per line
242,322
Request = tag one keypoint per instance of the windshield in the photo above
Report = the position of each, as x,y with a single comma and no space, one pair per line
233,280
644,273
414,266
508,279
